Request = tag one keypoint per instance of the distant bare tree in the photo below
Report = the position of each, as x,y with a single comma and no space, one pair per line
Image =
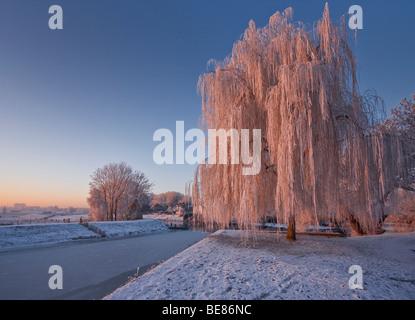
53,209
4,211
401,125
98,209
167,199
402,119
70,210
113,188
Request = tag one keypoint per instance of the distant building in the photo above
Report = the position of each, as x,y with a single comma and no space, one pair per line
19,206
182,208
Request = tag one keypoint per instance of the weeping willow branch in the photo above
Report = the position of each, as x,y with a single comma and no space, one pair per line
322,157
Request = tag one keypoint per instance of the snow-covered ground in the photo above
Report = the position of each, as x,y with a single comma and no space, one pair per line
26,235
228,266
126,228
28,217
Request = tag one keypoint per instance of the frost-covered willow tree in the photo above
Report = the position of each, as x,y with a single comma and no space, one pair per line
322,158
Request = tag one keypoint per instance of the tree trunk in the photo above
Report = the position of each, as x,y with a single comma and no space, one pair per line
354,223
291,229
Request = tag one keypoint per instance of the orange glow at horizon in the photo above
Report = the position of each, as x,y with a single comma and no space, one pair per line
61,196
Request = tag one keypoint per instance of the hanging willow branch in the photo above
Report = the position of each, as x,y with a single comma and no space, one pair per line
322,158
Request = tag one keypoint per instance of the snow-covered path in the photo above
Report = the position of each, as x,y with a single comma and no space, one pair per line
226,266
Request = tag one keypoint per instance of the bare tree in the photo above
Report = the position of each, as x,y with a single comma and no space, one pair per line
70,210
167,199
401,126
98,208
402,120
113,188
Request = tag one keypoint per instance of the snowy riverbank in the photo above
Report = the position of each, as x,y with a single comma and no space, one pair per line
128,228
39,234
226,266
35,234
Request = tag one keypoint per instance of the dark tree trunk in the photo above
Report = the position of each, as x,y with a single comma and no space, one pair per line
291,229
354,223
357,227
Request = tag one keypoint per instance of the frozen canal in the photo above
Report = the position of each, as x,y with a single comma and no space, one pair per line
90,269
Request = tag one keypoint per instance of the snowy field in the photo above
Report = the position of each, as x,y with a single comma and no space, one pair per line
35,234
26,235
127,228
226,266
21,218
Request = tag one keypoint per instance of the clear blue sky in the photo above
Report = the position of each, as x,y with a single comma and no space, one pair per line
75,99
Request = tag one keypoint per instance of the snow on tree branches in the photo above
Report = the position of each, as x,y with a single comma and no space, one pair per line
322,157
118,193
